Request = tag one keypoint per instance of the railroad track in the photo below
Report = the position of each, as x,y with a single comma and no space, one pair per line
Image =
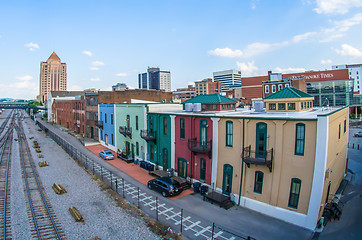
5,163
44,224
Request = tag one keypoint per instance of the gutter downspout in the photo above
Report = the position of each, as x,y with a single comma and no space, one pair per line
191,152
242,164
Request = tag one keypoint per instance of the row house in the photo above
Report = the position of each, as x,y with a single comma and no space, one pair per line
70,114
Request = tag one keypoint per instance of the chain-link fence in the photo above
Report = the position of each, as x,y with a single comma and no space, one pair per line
179,220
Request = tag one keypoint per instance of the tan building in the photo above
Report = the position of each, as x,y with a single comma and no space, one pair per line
207,86
287,164
53,77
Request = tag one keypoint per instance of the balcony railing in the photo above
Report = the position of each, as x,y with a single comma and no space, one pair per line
98,123
200,146
258,157
126,131
148,135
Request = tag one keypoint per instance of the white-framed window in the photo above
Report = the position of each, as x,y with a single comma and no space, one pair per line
274,88
266,88
280,87
287,85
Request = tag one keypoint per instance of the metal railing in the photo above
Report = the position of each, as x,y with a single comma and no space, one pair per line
257,157
148,135
98,123
199,146
126,131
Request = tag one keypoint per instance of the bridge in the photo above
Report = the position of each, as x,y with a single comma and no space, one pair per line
19,105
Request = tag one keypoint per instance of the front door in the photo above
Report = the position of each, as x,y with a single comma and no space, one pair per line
165,157
132,151
261,136
182,168
106,139
227,179
128,148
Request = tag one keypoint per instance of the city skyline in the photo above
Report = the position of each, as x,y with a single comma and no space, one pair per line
105,43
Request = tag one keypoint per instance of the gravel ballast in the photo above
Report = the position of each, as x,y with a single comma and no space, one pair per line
103,218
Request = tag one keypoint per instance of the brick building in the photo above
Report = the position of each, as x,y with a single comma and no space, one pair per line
126,96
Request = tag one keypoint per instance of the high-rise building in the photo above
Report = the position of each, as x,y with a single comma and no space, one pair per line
155,79
355,72
227,78
207,86
119,87
53,77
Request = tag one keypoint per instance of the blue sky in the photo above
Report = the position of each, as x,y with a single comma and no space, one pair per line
105,42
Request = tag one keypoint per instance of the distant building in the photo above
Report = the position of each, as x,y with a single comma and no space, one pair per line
119,87
155,79
207,86
60,96
183,94
354,72
227,78
53,77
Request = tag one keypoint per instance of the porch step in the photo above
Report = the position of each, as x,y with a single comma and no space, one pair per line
227,204
185,185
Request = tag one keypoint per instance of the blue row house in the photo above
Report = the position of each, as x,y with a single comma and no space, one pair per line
106,125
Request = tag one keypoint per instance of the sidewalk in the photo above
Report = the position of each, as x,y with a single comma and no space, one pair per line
237,219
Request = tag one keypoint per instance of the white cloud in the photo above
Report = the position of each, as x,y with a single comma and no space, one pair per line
247,69
326,62
88,53
303,36
94,79
24,78
256,48
94,68
336,6
348,50
122,74
226,52
98,63
32,46
290,70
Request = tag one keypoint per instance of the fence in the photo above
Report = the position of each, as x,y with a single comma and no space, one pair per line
180,220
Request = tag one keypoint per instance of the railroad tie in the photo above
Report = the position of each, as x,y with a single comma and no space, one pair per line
58,189
76,215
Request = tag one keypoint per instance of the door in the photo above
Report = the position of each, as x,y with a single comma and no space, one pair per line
227,179
92,132
165,159
329,189
132,151
182,168
202,169
261,136
128,148
106,139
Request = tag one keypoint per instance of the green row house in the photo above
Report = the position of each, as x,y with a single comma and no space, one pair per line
137,138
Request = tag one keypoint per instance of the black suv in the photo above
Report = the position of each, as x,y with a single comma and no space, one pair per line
165,185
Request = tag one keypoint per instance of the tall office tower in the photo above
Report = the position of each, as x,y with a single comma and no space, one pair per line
53,77
207,86
227,78
355,72
155,79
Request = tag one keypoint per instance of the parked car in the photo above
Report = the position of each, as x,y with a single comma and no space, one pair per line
358,134
165,185
106,155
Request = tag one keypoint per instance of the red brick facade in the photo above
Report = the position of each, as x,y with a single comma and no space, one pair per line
70,114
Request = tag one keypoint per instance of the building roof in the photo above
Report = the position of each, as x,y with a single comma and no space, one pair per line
210,98
289,92
54,56
55,94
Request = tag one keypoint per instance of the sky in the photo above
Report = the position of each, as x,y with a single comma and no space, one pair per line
111,41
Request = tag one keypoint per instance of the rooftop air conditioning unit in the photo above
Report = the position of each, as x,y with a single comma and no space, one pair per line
189,107
197,107
259,106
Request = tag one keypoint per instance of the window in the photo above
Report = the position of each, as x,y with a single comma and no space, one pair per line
182,128
345,126
281,106
301,105
202,169
339,131
291,106
274,88
128,121
214,107
229,133
304,104
208,106
165,125
111,118
294,193
287,85
258,184
105,118
272,106
299,139
112,141
224,106
267,89
280,87
137,124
